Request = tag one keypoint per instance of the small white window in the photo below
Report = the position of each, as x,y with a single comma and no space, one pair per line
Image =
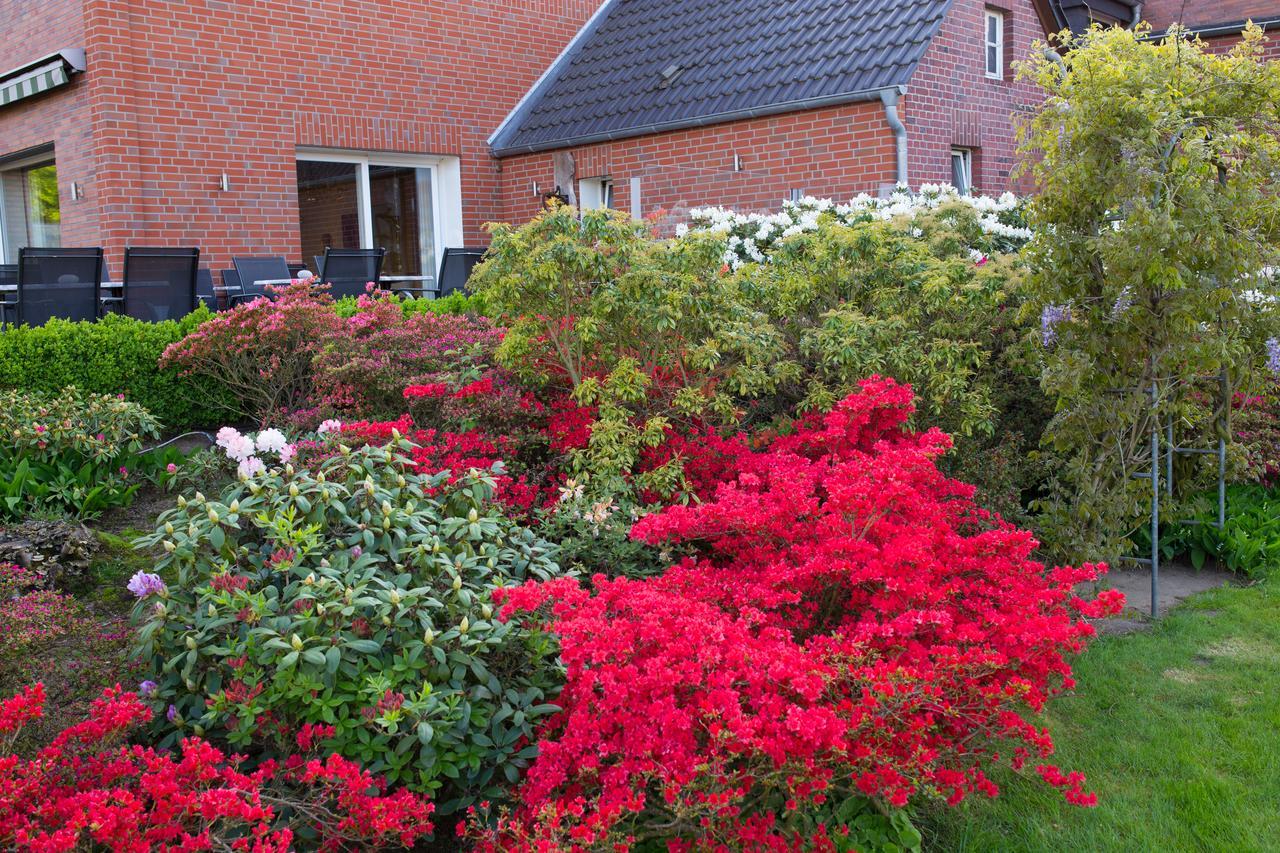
994,44
597,193
962,170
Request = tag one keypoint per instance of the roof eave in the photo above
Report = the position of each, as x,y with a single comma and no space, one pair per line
1223,29
700,121
530,96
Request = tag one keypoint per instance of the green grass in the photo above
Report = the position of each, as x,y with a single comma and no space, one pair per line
1178,731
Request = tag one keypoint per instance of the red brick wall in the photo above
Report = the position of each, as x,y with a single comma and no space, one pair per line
183,92
950,101
30,29
836,152
1161,13
1270,50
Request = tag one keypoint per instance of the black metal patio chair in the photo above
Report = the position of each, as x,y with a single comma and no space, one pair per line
160,283
455,268
64,283
349,271
253,271
8,293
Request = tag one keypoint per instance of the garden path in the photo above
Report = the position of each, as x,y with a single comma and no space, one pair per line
1178,581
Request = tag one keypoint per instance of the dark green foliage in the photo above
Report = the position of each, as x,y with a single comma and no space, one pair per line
111,356
358,594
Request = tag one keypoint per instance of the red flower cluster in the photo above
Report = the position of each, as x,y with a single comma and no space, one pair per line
431,389
89,788
454,452
853,625
569,425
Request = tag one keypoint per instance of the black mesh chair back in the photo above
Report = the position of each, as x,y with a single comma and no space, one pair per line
8,293
160,284
204,289
255,270
349,271
63,283
455,269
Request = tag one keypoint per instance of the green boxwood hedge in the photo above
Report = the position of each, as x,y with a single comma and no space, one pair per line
118,354
114,355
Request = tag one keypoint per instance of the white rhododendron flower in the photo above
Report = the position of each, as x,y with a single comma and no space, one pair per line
750,237
271,441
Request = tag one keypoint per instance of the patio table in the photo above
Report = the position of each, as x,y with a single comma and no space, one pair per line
386,279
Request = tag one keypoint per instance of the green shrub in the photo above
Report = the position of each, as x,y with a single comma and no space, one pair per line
658,333
69,451
114,355
356,594
1249,542
455,303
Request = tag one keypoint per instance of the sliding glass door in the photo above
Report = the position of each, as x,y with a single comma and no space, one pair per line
366,201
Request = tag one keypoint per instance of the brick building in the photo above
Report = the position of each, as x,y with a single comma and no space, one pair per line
271,127
252,127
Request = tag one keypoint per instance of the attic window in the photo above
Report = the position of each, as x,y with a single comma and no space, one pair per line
669,75
993,43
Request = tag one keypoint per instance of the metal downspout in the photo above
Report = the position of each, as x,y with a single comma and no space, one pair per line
889,97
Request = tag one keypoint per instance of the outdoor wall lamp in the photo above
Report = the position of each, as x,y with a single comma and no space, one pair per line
77,191
224,183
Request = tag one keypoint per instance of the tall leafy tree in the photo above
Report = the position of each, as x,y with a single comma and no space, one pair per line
1157,218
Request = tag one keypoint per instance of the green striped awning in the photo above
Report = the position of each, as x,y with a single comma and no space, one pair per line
42,75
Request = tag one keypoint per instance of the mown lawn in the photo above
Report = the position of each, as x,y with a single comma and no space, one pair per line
1178,730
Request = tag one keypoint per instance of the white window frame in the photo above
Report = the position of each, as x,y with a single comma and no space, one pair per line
446,192
987,44
22,163
593,193
966,160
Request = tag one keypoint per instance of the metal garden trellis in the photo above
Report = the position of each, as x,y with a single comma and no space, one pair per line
1171,450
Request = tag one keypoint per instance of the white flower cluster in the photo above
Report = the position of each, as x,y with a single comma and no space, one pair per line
749,237
246,450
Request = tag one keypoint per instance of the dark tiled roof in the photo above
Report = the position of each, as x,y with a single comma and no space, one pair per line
647,65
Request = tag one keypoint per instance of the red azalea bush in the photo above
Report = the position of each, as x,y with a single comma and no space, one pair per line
90,789
851,626
1256,420
457,453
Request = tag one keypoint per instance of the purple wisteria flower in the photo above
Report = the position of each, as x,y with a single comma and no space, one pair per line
143,584
148,688
1123,303
1273,355
1050,317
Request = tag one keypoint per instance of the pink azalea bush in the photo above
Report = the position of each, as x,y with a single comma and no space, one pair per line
261,351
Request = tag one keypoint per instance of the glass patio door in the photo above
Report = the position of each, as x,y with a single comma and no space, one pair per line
364,201
30,211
